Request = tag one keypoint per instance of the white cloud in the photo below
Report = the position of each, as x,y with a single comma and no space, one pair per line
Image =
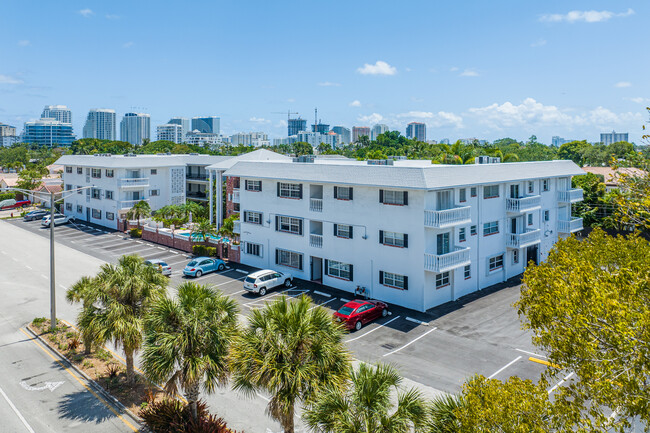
112,17
128,44
291,100
469,73
24,43
538,43
328,84
371,119
355,103
407,69
86,12
638,100
623,84
453,69
584,16
259,120
6,79
379,68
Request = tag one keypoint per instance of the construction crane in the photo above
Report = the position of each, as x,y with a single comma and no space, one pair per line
289,113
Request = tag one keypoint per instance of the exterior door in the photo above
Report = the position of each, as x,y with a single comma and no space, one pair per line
531,254
316,268
513,225
442,246
514,191
88,214
444,200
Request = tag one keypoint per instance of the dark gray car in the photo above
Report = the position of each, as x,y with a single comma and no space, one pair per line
36,215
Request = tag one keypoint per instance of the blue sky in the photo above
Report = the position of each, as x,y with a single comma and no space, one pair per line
466,68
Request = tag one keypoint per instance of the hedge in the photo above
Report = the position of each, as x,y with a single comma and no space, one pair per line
204,250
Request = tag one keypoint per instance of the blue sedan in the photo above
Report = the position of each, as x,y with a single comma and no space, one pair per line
203,265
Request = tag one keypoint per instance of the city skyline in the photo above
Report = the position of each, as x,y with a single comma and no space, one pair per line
551,84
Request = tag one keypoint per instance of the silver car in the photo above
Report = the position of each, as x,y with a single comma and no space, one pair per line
161,265
58,219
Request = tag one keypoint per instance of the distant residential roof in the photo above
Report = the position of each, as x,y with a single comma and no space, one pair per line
137,161
611,175
256,155
51,188
9,180
405,174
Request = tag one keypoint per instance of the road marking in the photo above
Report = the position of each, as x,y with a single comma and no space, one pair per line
29,267
373,330
3,253
322,303
344,300
316,292
174,252
63,287
14,259
228,282
567,377
504,367
541,361
48,385
241,271
139,242
530,353
260,395
160,248
411,342
17,412
237,293
104,402
410,319
44,276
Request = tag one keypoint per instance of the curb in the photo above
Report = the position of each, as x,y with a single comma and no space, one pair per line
96,387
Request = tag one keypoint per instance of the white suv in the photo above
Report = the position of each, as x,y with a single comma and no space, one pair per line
262,281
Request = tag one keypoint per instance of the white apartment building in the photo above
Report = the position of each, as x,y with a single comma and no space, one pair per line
413,233
255,139
170,132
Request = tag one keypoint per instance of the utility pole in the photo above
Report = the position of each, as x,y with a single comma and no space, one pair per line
52,283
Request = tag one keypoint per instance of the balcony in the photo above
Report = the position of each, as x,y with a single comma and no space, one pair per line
439,219
128,204
197,177
139,182
236,227
574,225
195,195
316,241
570,196
235,196
523,240
524,204
446,262
316,204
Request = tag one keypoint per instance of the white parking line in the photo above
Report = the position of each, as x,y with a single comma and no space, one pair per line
174,252
530,353
44,277
411,342
160,248
63,287
139,242
344,300
504,367
17,412
228,282
410,319
241,271
29,267
3,252
373,330
316,292
567,377
323,303
237,293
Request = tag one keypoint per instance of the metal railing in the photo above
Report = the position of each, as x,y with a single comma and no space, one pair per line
521,240
194,176
574,225
570,195
316,204
524,204
133,182
128,204
447,217
445,262
316,241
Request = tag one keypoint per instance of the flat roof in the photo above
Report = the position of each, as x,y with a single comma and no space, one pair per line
137,161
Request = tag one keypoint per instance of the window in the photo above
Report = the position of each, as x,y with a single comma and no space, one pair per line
546,184
400,198
108,194
491,191
342,193
530,219
467,271
462,234
235,183
68,169
490,228
288,225
289,190
154,192
80,170
235,207
515,256
393,280
252,217
343,231
68,206
110,216
288,258
339,270
253,249
531,187
495,263
462,195
79,190
473,191
80,209
97,214
96,193
68,187
442,280
547,215
154,171
394,239
253,185
96,173
110,173
472,230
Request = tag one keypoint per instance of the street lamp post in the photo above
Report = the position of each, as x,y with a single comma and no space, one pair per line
52,276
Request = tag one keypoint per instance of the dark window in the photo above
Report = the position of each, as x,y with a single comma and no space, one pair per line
491,191
253,185
288,224
289,190
342,193
288,258
393,280
400,198
343,231
495,262
393,239
463,195
338,269
68,169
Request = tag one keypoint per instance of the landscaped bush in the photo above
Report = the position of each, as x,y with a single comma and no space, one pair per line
172,416
7,195
136,233
200,250
212,251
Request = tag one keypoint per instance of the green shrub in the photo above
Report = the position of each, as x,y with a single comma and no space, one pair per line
39,321
104,355
7,195
136,233
200,250
171,416
212,251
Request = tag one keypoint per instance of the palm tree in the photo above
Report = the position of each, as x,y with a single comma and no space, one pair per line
228,226
125,294
85,290
289,350
139,210
187,340
441,414
202,230
365,405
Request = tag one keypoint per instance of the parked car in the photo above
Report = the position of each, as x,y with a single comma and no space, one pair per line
58,220
357,313
160,265
36,215
13,204
203,265
262,281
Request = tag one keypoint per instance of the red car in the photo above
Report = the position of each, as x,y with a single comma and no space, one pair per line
16,205
357,313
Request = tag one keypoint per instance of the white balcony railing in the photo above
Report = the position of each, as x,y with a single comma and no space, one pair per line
128,204
445,262
139,182
522,240
236,227
235,196
316,241
570,196
447,217
574,225
316,204
524,204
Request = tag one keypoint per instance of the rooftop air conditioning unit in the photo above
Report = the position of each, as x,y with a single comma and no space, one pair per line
380,162
304,158
487,160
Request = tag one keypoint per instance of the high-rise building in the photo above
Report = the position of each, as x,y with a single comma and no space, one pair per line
170,132
321,128
444,141
614,137
100,124
296,125
380,128
7,135
360,131
557,141
48,132
255,139
417,131
135,127
344,134
206,125
184,122
316,138
57,112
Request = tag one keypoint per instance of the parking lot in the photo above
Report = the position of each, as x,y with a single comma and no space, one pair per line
439,349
